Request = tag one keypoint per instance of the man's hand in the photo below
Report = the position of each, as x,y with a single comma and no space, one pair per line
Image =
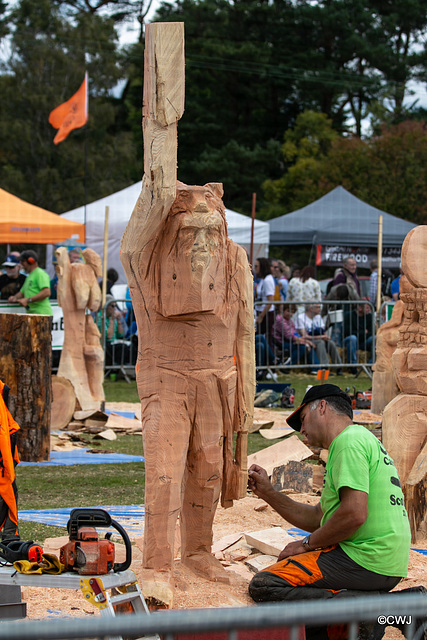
292,549
23,302
258,481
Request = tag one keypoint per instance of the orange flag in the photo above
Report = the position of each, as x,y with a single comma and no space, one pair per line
71,114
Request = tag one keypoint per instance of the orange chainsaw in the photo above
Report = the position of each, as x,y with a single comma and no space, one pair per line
85,552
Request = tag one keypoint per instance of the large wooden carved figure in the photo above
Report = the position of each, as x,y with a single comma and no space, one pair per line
82,358
404,425
191,289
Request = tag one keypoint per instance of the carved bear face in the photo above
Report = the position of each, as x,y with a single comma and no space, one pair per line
198,218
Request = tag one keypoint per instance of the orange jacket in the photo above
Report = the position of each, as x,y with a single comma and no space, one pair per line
8,426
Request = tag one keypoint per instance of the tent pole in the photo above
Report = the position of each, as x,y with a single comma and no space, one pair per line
380,265
104,286
252,229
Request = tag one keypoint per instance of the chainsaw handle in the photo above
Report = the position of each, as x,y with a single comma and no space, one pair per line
122,566
99,518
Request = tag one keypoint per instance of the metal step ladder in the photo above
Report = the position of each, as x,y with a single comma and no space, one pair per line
112,594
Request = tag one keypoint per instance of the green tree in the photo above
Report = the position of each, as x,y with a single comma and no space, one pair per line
304,148
46,67
387,171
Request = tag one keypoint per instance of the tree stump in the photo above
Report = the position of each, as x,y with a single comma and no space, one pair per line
25,366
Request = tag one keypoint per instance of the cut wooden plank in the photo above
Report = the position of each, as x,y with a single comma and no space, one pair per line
94,414
269,541
225,542
270,415
280,453
108,434
116,420
99,424
256,426
258,563
274,434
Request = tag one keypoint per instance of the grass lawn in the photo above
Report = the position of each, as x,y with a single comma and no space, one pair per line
96,485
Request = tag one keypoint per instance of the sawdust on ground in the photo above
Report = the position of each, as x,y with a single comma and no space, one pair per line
194,592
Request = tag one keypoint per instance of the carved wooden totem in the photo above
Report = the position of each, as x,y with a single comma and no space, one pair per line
404,425
191,289
384,383
82,358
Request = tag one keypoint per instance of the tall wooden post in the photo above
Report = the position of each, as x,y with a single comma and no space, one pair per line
25,366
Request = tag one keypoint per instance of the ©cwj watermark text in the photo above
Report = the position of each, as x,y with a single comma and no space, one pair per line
394,620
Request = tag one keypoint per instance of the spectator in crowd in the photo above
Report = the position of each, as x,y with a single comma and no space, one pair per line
310,324
395,286
275,272
291,343
295,271
112,277
35,292
357,331
347,275
304,289
264,356
373,283
283,272
265,291
11,282
115,329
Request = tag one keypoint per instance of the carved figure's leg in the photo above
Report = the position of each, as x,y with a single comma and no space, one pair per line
93,354
203,477
166,431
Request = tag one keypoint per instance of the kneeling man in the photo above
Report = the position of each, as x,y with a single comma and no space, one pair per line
359,531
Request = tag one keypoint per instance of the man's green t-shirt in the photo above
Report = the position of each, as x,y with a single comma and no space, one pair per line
359,461
34,283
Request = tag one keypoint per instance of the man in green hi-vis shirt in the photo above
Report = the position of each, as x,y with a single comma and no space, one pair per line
359,536
35,291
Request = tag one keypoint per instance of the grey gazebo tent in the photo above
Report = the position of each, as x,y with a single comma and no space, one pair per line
338,218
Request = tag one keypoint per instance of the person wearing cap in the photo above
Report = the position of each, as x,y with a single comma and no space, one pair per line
11,281
358,534
35,292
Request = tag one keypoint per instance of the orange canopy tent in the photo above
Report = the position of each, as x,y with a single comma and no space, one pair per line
22,222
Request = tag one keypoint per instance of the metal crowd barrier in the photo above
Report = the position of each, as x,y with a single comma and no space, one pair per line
347,340
342,337
120,353
409,609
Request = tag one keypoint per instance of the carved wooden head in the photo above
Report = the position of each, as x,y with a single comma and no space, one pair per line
197,218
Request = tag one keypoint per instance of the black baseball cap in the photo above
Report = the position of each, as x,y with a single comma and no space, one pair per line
316,393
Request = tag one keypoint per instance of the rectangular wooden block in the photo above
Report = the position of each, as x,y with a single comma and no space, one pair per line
269,541
258,563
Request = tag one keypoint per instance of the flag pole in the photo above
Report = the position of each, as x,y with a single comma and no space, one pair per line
86,145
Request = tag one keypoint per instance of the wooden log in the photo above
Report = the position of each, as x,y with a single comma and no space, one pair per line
63,402
298,476
25,366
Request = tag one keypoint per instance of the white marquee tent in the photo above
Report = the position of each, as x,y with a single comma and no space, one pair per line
121,205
